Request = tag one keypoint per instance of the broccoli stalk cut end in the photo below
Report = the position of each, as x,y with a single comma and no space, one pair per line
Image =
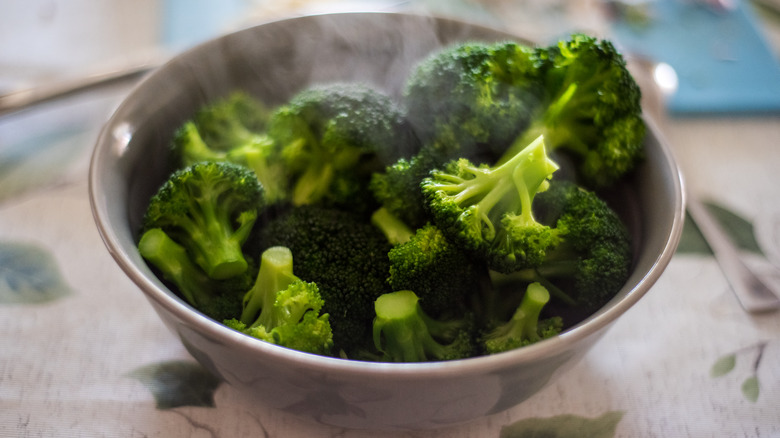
403,332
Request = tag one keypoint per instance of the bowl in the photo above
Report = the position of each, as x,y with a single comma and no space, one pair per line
273,61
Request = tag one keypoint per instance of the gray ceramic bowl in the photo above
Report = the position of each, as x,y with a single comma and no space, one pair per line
273,61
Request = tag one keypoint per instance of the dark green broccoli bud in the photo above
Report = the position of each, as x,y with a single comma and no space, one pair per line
345,255
442,275
397,188
218,299
232,130
282,309
593,259
472,99
332,138
403,332
488,210
210,209
525,327
592,110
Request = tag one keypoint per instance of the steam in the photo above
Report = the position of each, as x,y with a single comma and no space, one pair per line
276,60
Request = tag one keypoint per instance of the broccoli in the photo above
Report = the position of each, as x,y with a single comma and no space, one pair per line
486,101
403,332
209,208
525,326
397,187
592,110
232,121
218,299
488,210
593,258
282,309
442,275
233,130
332,138
345,255
472,99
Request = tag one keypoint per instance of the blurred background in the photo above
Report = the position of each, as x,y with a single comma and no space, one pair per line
724,52
694,57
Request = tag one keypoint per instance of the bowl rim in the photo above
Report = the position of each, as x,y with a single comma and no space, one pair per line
160,296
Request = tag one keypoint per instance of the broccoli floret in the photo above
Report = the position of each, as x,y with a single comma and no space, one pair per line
347,258
488,210
525,327
397,188
332,138
403,332
593,258
282,309
218,299
235,120
232,130
472,99
210,209
442,275
592,110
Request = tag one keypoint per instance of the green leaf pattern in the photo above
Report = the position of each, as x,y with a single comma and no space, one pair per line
178,383
751,387
724,365
739,229
565,426
29,275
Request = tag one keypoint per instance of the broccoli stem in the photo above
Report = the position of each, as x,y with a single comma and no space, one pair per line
313,183
195,148
216,247
540,275
523,327
275,274
172,260
396,231
403,333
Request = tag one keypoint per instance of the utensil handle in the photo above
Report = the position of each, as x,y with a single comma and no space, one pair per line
753,294
23,99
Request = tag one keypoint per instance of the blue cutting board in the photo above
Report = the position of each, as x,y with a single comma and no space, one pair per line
723,63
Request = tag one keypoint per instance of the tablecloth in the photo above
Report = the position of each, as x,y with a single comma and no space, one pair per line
83,354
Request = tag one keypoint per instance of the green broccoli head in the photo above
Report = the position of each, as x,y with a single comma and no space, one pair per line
473,98
210,209
332,138
403,332
525,327
233,130
488,210
344,255
593,259
442,275
232,121
592,109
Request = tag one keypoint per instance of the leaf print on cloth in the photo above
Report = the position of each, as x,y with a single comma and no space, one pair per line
727,363
565,426
29,275
178,383
738,228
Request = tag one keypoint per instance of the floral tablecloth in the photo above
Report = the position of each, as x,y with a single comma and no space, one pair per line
83,354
